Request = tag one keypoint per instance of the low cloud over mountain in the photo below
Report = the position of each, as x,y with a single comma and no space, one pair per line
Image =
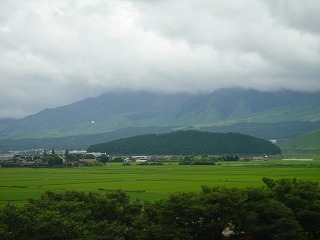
57,52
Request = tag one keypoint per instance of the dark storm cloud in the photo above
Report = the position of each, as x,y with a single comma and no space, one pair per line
57,52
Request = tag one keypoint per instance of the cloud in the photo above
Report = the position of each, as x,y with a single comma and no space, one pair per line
303,16
56,52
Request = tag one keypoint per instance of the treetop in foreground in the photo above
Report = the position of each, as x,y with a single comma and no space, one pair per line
187,143
288,209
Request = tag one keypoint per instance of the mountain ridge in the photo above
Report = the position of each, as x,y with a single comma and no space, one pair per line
118,110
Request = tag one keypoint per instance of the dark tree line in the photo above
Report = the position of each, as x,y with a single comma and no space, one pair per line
286,209
207,160
188,143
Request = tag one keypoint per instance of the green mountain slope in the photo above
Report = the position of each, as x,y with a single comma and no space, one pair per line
280,131
107,112
229,106
186,143
78,142
308,143
112,111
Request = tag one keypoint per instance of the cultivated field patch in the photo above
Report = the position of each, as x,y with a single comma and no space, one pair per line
148,182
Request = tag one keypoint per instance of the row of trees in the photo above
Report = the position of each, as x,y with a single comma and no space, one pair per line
286,209
54,159
207,160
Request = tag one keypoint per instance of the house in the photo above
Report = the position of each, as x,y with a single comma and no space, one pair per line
141,160
30,163
87,160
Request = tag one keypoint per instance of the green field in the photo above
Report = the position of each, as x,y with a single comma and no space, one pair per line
149,182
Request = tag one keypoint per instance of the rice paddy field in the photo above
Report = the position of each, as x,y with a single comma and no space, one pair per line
150,183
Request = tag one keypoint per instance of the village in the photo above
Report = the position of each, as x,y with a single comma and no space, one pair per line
65,158
61,158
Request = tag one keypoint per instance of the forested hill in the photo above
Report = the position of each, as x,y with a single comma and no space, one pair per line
187,143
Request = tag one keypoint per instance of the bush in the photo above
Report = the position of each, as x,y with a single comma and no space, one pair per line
93,163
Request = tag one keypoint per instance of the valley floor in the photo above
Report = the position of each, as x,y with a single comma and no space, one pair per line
149,182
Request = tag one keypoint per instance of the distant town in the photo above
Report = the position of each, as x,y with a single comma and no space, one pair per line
64,158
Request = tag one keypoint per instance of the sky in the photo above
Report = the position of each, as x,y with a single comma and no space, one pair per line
57,52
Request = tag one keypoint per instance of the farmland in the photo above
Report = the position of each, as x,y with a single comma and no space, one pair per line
149,182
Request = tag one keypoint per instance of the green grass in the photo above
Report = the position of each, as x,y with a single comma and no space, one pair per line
148,182
306,143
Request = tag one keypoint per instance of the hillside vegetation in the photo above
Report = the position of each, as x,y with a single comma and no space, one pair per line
187,143
281,131
119,110
268,115
308,143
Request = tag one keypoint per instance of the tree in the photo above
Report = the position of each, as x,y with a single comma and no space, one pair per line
9,219
103,158
261,217
88,156
53,161
303,197
71,215
231,158
200,216
221,208
275,213
36,157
